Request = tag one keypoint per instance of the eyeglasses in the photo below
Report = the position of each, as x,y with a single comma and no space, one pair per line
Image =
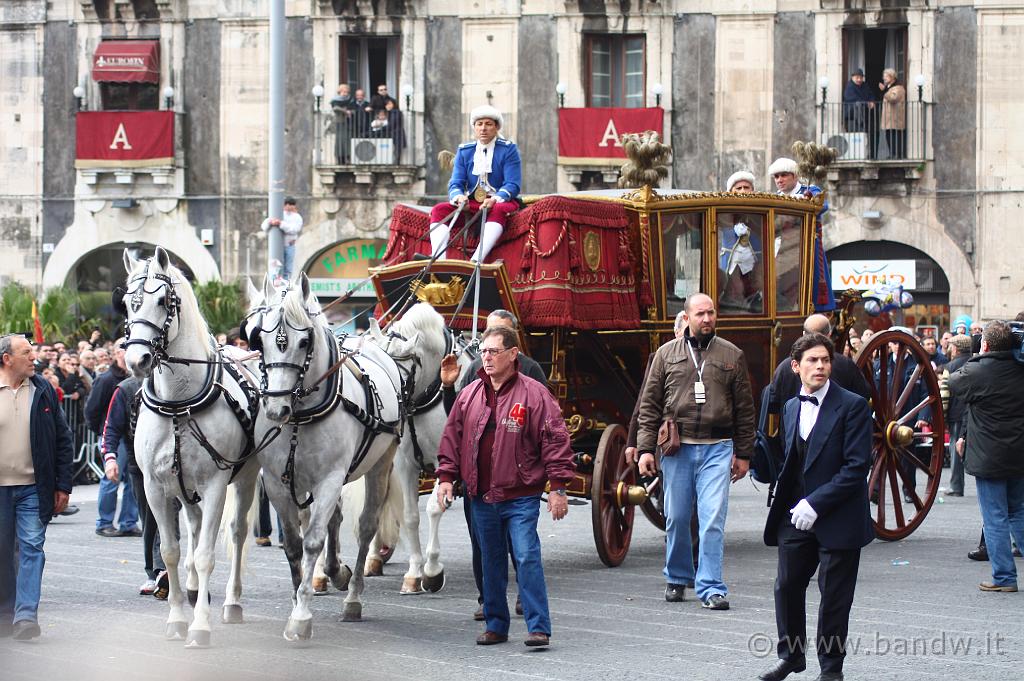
484,352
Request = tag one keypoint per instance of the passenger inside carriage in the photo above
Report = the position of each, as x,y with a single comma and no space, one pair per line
487,175
740,254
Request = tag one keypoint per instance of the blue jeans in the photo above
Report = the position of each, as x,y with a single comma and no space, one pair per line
19,520
1002,512
288,261
107,500
704,471
495,525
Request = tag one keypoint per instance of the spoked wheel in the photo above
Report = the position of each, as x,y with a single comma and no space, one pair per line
904,390
654,507
611,507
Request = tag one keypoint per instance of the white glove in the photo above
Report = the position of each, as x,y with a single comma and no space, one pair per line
740,229
803,516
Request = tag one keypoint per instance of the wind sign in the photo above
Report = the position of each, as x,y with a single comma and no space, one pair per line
866,274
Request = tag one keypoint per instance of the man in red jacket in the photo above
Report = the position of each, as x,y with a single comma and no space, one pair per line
505,439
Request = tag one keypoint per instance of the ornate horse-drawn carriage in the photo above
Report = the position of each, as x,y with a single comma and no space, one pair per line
597,278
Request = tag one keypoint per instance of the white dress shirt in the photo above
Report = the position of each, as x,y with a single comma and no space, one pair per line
809,410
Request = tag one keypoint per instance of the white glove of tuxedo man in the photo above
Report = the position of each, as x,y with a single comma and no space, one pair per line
803,516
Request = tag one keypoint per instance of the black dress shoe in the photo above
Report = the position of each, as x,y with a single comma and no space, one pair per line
70,510
782,669
26,630
108,532
980,553
420,256
675,593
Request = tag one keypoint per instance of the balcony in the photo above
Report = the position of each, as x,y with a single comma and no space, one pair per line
359,147
868,142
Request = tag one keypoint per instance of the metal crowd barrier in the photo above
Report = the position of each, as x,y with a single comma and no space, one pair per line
88,456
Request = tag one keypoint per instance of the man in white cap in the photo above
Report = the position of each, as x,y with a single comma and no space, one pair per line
784,172
487,174
741,182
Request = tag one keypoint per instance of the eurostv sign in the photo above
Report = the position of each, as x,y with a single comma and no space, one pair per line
867,274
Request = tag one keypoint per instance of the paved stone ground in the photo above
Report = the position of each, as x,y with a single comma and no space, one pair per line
608,623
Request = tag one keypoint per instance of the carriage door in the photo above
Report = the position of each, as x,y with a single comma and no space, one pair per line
738,268
792,239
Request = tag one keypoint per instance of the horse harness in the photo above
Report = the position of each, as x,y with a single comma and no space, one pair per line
430,397
338,358
171,305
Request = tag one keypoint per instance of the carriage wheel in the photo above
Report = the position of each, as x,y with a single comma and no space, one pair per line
653,508
610,506
899,448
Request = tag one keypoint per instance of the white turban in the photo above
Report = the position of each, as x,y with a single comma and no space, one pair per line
485,111
737,176
782,165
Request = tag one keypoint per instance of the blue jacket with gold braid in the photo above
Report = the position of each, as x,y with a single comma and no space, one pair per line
505,175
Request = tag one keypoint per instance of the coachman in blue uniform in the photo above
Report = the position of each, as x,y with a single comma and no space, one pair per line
487,173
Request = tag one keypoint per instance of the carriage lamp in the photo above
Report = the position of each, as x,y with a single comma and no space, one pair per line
919,81
79,93
407,92
561,89
823,84
657,90
168,93
318,95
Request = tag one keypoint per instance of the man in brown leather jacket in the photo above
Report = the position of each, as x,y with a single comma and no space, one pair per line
700,384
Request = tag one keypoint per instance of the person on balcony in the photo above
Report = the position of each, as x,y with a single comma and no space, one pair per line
784,172
379,101
396,126
362,115
344,108
487,174
894,114
859,112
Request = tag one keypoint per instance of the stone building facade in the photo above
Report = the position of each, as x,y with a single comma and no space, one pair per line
739,81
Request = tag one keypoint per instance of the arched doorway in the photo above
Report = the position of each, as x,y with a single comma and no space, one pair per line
341,268
862,264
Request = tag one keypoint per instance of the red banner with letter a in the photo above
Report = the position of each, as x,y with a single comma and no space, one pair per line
124,139
595,133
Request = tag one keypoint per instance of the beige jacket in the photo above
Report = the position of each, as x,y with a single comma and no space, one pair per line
894,108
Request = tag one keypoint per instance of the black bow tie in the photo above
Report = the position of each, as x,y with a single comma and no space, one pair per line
809,398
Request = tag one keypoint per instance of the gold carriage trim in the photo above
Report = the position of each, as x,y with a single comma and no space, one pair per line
592,250
437,292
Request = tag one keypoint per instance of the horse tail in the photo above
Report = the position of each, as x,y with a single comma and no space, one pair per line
353,499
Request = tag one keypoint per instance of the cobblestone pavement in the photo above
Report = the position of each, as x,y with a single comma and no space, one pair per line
918,613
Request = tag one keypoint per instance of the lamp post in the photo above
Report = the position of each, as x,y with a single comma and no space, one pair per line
561,88
919,80
657,90
168,93
79,93
318,95
408,92
823,84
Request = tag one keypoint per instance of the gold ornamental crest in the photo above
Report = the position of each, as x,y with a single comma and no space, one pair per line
439,293
592,250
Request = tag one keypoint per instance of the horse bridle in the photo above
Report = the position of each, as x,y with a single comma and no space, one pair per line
171,304
281,341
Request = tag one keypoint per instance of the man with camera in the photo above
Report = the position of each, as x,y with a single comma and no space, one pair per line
990,386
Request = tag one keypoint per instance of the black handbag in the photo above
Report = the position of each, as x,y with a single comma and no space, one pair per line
769,454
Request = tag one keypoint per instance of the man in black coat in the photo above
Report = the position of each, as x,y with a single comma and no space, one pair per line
859,111
960,349
786,384
819,518
35,482
990,384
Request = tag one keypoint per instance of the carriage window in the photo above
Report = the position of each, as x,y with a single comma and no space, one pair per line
682,239
788,229
740,263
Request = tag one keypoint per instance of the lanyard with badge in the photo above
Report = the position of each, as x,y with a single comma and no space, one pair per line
699,395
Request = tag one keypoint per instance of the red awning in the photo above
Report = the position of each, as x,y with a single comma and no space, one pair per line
127,61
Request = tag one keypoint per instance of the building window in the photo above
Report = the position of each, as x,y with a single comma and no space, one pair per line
130,96
874,50
616,70
368,62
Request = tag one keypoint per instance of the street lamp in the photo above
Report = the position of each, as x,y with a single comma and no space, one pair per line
561,88
168,93
823,84
919,81
318,94
407,92
79,93
657,90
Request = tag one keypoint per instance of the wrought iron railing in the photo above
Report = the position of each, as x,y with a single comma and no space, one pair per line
863,132
353,137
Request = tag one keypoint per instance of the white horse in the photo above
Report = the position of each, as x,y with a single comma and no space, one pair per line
418,452
338,410
193,436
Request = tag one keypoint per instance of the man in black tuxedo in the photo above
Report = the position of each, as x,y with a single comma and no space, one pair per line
819,518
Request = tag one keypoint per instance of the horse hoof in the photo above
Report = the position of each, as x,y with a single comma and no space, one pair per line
435,583
232,614
374,567
199,638
193,597
176,631
411,586
386,552
298,630
353,612
342,578
319,585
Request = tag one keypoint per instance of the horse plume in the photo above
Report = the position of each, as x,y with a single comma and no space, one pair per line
647,162
813,160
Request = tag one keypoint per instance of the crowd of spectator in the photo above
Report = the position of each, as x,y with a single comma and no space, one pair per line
356,117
